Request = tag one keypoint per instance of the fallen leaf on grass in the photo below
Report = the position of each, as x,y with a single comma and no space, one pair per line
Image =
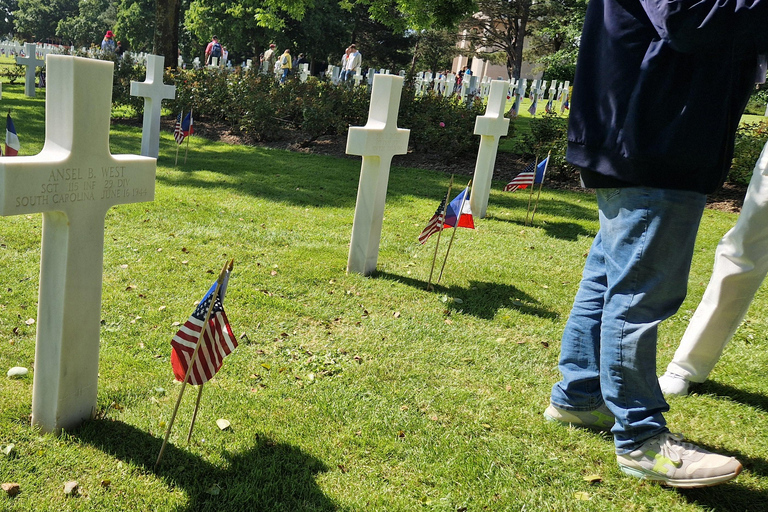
11,488
29,321
222,423
342,468
9,450
397,314
106,483
593,479
582,496
70,488
214,490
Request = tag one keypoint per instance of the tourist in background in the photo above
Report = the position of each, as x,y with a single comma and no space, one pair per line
108,43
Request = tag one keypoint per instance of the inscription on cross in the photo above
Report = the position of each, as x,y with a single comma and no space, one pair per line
377,142
154,92
31,61
73,181
490,127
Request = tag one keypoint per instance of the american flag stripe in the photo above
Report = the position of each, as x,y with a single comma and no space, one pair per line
178,132
216,342
435,224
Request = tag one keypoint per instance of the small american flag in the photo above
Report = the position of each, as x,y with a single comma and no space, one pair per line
217,341
533,174
435,224
522,180
178,133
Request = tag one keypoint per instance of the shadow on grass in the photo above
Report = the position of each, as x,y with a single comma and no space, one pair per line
756,400
268,476
481,299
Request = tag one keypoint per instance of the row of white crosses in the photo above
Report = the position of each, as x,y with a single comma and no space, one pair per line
380,139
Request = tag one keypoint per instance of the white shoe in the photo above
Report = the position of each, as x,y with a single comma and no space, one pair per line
673,384
666,458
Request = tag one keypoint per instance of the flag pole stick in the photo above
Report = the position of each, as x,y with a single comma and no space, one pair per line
442,222
192,361
194,414
191,121
536,204
530,195
450,243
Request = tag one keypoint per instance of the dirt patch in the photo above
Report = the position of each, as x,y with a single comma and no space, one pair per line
729,198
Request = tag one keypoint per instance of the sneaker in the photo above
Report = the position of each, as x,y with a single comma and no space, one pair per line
673,384
597,419
667,459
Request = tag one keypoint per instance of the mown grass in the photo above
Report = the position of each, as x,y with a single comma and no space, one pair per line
346,393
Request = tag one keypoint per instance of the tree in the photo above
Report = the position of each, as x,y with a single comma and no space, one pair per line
501,25
135,24
7,8
38,21
435,49
166,37
554,38
89,24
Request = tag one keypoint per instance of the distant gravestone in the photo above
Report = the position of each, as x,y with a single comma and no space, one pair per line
73,181
31,61
402,73
214,63
490,127
336,77
371,74
304,74
377,142
154,92
450,83
358,78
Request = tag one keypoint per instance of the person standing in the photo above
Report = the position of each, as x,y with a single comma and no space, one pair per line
108,43
741,265
344,60
652,158
354,61
269,59
213,50
285,65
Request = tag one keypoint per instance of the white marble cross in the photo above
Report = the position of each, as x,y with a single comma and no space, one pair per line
31,61
73,181
154,92
377,142
490,127
358,76
304,73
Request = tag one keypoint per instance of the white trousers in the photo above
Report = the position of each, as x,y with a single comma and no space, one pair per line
741,264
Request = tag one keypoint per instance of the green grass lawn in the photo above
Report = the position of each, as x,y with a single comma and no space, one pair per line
346,392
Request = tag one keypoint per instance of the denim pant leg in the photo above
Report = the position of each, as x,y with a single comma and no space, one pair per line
646,244
580,347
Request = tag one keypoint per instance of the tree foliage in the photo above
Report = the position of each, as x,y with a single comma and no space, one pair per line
501,25
89,24
38,21
7,8
554,38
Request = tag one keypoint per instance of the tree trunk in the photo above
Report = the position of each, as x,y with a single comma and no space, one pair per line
517,57
166,40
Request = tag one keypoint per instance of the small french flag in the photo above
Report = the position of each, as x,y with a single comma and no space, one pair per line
12,145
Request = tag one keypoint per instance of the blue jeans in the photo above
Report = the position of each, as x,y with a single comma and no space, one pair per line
635,276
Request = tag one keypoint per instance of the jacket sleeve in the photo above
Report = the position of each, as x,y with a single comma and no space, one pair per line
696,26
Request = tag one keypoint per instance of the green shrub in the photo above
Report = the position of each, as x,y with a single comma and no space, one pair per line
438,124
13,72
750,138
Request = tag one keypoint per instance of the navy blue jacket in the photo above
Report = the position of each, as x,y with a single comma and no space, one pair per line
660,87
